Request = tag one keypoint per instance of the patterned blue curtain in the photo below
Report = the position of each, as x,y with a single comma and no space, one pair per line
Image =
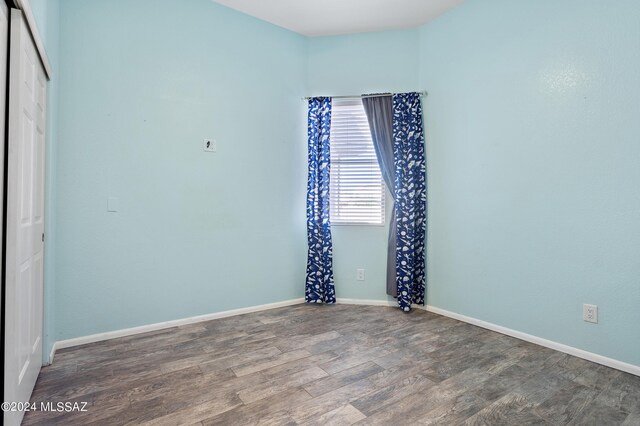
319,283
411,197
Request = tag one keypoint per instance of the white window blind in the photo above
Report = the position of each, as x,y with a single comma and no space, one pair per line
356,185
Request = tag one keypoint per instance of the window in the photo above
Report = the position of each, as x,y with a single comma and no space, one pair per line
356,186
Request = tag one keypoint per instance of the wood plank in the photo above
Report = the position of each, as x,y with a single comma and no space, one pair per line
566,403
278,385
622,393
341,416
269,362
324,403
252,413
381,398
511,409
343,378
598,413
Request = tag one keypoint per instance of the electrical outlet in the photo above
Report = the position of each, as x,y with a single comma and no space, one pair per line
360,274
590,313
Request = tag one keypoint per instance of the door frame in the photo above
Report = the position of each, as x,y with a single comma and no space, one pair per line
30,21
4,133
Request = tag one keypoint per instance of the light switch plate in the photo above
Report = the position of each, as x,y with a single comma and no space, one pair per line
112,204
210,145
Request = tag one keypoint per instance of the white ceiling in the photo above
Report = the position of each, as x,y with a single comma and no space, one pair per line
333,17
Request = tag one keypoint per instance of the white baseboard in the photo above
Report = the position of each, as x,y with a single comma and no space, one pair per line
368,302
372,302
52,353
61,344
589,356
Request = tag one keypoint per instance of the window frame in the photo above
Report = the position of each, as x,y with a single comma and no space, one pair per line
336,218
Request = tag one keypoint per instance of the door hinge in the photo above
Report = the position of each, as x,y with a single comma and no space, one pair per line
43,237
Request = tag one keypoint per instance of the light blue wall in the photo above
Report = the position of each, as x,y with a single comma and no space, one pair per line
142,84
47,15
534,163
351,65
532,144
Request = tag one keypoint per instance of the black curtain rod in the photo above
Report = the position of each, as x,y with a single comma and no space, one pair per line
377,95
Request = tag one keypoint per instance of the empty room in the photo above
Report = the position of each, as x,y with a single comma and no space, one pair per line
296,212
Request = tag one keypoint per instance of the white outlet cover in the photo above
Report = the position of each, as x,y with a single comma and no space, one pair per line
360,274
210,145
590,313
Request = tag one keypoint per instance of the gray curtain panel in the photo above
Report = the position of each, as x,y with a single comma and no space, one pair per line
379,112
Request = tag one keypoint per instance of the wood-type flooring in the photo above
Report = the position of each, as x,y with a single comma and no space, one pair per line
331,365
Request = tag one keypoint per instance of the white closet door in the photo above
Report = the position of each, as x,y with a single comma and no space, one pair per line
25,219
4,40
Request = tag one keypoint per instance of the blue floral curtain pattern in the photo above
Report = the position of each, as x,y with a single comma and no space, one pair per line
411,197
319,283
